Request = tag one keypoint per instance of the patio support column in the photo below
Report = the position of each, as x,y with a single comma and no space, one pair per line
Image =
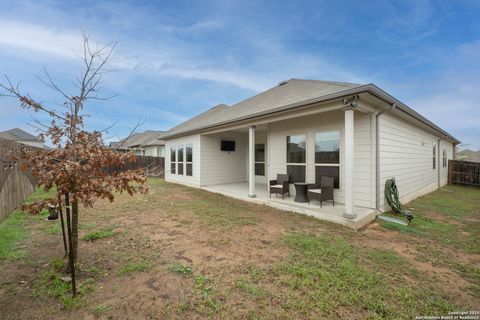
349,106
251,162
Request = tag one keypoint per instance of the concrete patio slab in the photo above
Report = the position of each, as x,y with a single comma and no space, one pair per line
239,190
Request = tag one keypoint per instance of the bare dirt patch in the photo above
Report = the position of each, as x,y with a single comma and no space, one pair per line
451,281
218,262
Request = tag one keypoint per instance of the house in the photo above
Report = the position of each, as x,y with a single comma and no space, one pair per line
358,134
21,136
148,143
154,147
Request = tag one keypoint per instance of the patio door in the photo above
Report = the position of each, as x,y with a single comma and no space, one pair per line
260,159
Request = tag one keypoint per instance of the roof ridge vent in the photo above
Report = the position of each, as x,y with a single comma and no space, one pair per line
220,105
281,83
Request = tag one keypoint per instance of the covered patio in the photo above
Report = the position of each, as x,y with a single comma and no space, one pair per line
239,190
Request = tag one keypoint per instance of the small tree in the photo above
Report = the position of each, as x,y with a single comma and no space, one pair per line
77,164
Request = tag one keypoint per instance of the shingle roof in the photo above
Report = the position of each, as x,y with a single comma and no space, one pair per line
285,93
290,94
148,137
116,145
158,141
18,134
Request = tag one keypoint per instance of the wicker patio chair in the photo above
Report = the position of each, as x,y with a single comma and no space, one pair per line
322,191
280,186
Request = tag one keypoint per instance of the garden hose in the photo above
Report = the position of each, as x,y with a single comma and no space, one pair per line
393,199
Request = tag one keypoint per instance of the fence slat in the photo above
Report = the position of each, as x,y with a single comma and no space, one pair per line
153,166
15,185
464,172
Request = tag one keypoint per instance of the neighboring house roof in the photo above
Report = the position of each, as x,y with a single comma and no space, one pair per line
158,141
115,145
18,134
149,137
288,95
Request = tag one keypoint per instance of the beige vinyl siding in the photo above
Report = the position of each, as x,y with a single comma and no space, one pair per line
406,153
444,171
331,121
218,166
154,151
364,174
151,151
160,151
194,180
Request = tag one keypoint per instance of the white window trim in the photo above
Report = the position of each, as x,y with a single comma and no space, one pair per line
186,162
340,153
174,148
181,162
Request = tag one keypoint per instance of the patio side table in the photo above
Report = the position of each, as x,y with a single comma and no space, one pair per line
301,189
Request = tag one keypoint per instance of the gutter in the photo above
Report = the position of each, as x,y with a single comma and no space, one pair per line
377,155
382,95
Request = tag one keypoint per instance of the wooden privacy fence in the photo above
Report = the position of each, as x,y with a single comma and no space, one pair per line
15,185
464,172
154,166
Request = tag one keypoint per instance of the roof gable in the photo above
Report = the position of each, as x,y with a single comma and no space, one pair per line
138,139
18,134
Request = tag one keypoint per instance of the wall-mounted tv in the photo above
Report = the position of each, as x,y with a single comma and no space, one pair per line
227,145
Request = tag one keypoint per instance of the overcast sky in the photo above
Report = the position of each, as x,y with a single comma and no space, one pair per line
179,58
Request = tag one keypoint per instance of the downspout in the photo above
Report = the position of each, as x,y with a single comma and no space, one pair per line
268,158
438,161
377,152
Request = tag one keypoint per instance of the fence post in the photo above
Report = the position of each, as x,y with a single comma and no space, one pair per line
464,172
449,171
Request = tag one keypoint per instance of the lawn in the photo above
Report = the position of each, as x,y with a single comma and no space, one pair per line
181,253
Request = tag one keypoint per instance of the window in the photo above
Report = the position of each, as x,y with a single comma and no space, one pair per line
327,156
172,160
160,151
296,155
327,147
445,162
260,159
328,171
434,156
189,160
180,160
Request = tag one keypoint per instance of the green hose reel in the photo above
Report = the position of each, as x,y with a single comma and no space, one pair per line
393,199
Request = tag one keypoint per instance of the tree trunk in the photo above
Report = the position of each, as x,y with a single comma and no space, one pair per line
75,228
71,263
